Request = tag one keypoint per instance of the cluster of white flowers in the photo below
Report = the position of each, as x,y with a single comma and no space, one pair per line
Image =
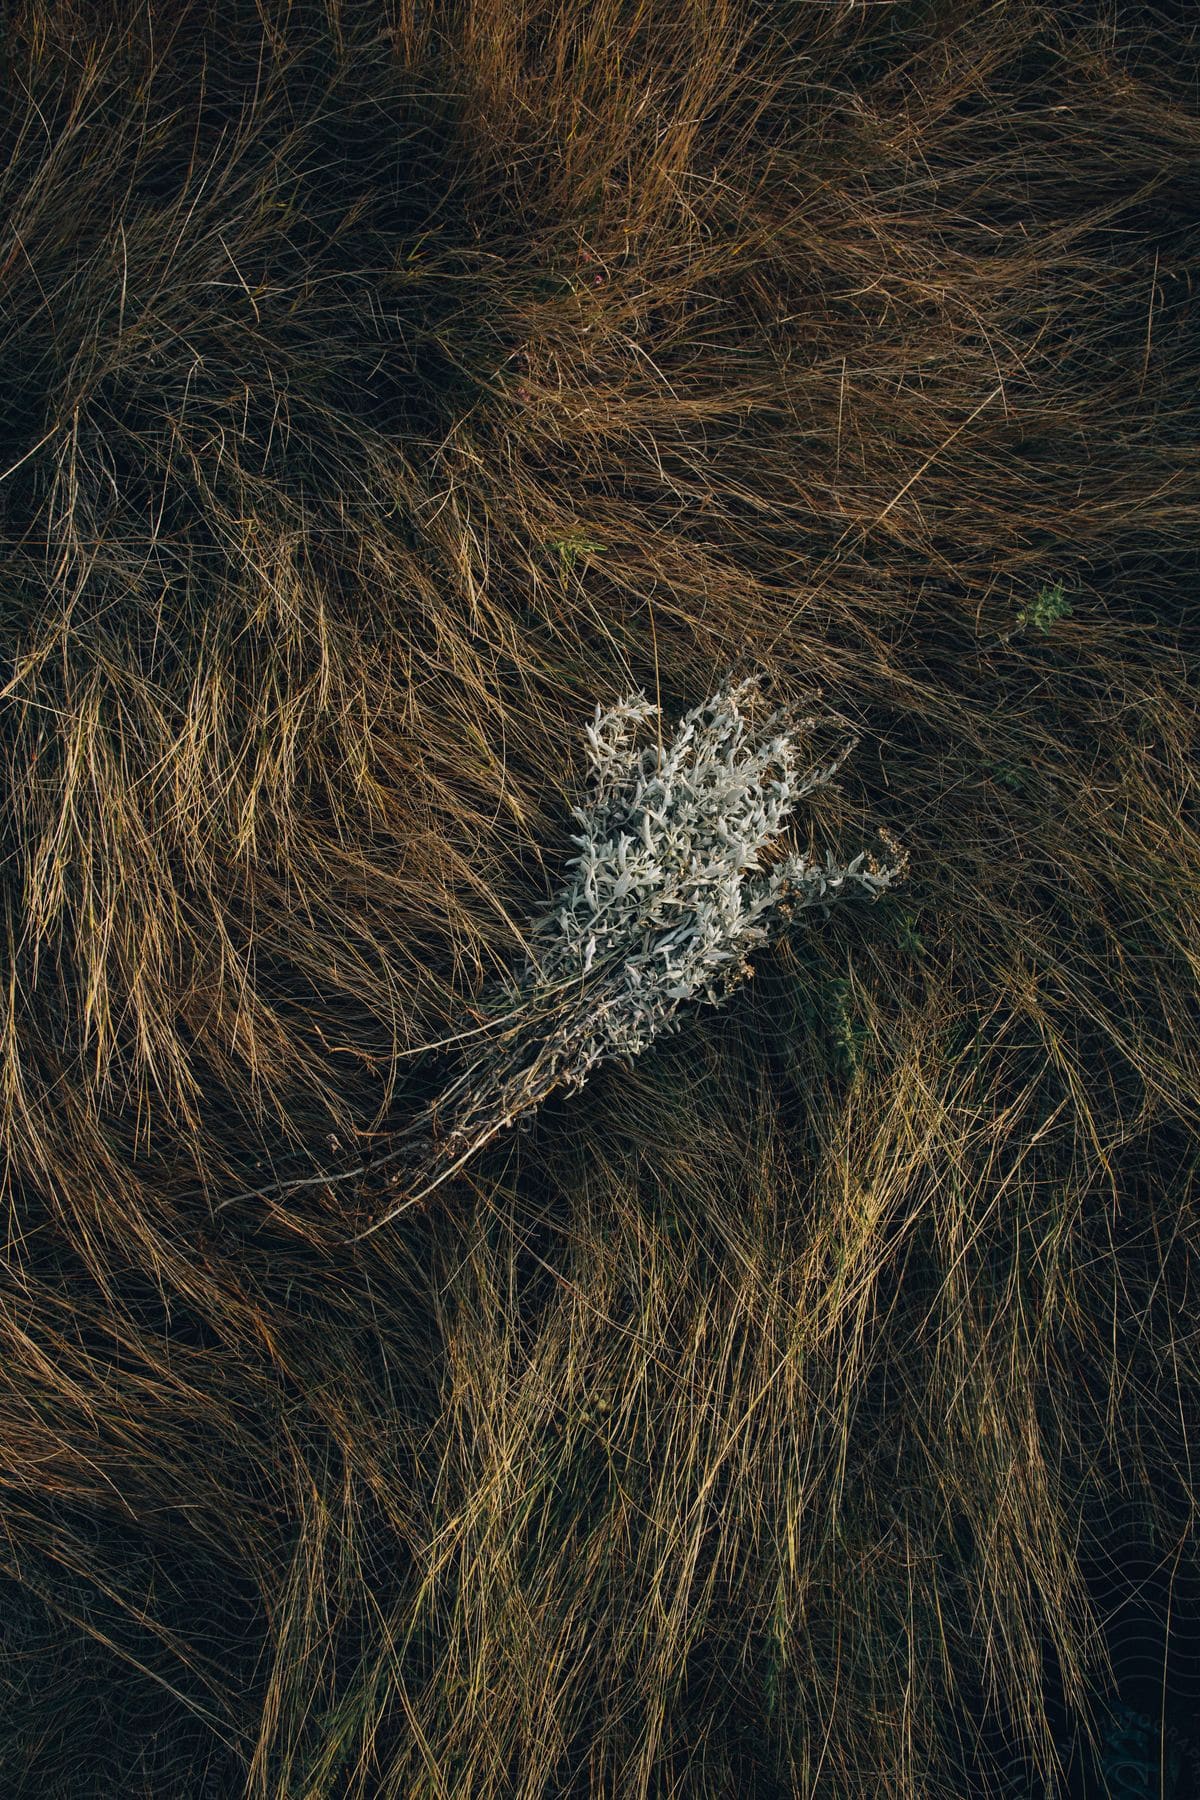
682,869
675,880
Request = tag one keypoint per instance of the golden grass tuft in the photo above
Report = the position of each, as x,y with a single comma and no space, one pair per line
380,387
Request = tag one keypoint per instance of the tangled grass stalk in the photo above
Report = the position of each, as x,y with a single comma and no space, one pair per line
681,871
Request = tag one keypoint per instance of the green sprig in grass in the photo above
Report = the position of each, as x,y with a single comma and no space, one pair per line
1046,609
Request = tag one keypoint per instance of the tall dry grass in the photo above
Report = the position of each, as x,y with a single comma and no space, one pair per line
380,386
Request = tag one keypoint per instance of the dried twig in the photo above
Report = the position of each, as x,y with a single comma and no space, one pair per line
679,875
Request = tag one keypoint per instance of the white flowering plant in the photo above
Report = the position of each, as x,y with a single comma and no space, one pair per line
682,868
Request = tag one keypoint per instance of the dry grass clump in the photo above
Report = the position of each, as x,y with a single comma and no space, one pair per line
380,388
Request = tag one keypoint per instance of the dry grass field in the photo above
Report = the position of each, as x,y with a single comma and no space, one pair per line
381,386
